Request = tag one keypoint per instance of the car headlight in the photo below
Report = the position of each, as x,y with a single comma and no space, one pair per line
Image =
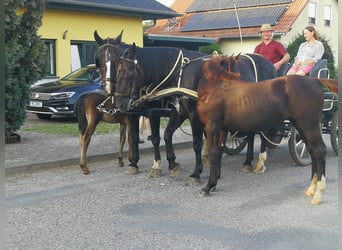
62,95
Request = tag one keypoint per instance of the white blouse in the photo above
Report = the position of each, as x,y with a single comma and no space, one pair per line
308,52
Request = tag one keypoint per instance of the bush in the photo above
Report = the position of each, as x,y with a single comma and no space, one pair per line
25,57
209,49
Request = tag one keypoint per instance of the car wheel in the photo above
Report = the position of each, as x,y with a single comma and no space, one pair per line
44,116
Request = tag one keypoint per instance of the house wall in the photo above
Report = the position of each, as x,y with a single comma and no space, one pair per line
81,27
330,33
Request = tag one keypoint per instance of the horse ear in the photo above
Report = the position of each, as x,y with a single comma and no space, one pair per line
235,58
134,47
98,39
118,39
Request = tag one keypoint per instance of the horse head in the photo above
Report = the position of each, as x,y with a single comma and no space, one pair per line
107,60
128,80
220,68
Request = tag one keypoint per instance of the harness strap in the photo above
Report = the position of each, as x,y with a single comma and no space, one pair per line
166,92
148,94
180,57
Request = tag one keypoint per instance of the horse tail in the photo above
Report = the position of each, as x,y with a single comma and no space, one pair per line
331,84
81,115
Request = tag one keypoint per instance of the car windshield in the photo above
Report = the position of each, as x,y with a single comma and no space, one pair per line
83,74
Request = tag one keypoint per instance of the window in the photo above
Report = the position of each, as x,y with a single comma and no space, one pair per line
327,15
51,50
312,13
83,53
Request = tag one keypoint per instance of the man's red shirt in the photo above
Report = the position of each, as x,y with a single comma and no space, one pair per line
273,51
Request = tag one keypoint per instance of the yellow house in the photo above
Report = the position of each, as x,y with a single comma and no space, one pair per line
68,28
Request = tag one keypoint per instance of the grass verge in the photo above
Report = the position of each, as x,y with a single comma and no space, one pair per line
71,128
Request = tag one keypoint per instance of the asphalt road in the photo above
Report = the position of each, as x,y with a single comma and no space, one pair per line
61,209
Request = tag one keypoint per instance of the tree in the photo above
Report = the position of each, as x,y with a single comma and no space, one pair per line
292,49
25,57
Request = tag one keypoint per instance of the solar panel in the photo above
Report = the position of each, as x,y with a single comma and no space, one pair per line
207,5
227,19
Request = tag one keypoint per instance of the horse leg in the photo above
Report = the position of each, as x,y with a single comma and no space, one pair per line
87,118
134,140
197,135
84,138
317,154
155,125
205,153
122,142
260,166
213,140
129,135
175,121
247,165
317,151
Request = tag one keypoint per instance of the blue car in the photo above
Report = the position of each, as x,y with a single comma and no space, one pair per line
61,97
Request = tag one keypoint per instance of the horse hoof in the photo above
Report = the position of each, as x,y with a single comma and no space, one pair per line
155,173
132,170
121,164
259,171
203,193
85,170
246,168
315,201
309,192
174,172
192,182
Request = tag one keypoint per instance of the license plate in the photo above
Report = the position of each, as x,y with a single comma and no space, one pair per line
36,104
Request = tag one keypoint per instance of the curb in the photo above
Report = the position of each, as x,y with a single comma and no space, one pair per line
90,159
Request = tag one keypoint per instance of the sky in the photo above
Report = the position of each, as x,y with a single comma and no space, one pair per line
166,2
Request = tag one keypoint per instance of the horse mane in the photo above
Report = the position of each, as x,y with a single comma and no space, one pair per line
218,68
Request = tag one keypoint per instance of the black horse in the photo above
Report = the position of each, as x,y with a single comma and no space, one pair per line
149,77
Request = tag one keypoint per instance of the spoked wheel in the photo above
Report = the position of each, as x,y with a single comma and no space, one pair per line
298,150
334,133
234,144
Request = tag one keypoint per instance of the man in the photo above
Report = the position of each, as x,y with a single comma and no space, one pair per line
271,49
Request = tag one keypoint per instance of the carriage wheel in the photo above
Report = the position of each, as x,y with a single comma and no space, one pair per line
334,133
298,150
234,145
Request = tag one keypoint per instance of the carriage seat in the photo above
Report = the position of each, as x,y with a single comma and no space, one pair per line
320,70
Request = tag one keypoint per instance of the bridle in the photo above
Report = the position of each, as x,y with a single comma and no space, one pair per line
108,58
134,62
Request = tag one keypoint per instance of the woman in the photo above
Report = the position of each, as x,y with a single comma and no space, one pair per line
308,54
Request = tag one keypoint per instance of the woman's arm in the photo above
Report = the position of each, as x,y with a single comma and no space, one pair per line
319,51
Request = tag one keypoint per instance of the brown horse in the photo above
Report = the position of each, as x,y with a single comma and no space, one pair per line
95,107
88,118
225,103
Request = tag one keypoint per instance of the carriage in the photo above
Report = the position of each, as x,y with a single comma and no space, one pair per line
329,125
